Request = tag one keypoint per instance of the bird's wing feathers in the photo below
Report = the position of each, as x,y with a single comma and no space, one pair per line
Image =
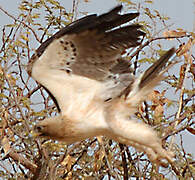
142,86
103,22
156,68
90,47
82,67
94,53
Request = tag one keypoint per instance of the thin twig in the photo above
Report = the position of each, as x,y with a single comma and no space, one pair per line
187,162
154,39
116,175
19,158
21,22
124,162
180,104
74,9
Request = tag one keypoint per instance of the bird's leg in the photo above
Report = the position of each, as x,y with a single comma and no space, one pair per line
150,153
153,156
130,132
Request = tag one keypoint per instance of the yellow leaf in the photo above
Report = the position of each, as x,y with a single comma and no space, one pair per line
149,1
5,144
68,161
24,37
99,138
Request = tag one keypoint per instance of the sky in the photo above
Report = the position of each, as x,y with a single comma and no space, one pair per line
181,13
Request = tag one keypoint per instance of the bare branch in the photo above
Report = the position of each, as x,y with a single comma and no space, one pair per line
22,22
124,162
17,157
154,39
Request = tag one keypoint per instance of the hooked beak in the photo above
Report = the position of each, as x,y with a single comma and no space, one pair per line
38,131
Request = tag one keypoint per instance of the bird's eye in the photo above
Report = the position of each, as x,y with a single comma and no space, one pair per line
39,128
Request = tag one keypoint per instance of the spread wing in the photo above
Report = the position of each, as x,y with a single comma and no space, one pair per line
91,47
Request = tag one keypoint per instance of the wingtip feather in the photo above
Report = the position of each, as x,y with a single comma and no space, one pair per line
151,78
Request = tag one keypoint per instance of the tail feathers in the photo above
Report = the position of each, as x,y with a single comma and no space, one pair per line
149,79
155,68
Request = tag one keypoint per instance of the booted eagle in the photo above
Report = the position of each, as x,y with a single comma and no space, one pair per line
82,69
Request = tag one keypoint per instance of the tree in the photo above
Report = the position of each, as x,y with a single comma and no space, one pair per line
24,102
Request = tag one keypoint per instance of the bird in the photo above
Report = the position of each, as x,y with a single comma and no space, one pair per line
83,69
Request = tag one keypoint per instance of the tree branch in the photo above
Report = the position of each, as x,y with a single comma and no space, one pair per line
17,157
21,22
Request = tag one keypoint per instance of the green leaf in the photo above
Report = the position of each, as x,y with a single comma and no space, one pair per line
144,60
149,1
161,52
10,25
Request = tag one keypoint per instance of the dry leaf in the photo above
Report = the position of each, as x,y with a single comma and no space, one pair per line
158,113
5,144
12,80
99,138
4,121
181,76
98,160
154,96
186,56
68,161
184,48
173,33
192,70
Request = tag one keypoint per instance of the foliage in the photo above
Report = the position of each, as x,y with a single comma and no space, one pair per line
24,102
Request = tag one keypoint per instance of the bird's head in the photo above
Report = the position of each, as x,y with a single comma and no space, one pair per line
50,128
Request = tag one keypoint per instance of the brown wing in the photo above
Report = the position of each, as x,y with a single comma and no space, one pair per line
92,53
91,46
